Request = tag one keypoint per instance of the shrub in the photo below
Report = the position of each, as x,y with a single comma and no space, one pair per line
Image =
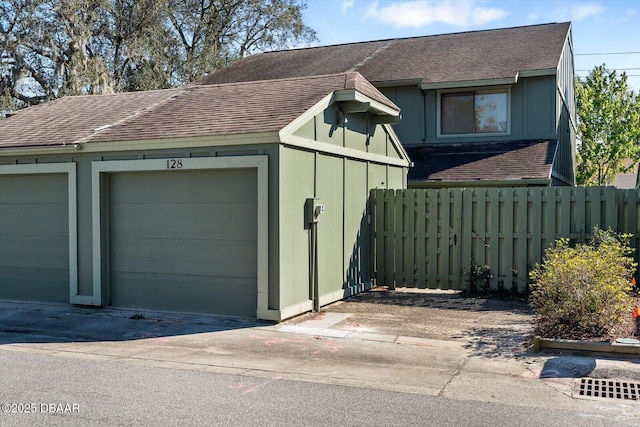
583,291
477,281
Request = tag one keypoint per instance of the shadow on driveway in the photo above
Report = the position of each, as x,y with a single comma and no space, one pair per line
487,327
30,322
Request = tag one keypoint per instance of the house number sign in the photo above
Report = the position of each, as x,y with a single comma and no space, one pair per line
174,164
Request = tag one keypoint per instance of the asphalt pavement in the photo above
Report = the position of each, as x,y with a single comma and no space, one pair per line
322,349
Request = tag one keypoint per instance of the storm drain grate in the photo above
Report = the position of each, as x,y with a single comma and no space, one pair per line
609,389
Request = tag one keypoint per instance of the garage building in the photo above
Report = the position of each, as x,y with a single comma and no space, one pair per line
245,199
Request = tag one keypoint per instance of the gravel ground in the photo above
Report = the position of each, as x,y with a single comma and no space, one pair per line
489,327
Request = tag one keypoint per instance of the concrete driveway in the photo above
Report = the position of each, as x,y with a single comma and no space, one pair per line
410,342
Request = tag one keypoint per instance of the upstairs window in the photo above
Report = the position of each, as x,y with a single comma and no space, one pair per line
474,112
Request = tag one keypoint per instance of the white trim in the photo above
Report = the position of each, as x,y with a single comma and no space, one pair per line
147,144
70,170
471,83
539,73
346,95
306,306
260,163
323,147
285,313
305,117
439,94
287,137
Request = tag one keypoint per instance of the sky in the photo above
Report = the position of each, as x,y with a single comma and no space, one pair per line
604,32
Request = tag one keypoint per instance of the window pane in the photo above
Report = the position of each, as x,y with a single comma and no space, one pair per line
491,112
457,113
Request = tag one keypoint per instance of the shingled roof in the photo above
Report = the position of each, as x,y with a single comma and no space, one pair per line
467,56
190,111
511,160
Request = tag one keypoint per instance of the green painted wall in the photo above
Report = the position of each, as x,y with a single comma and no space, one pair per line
330,188
533,112
343,235
356,232
564,168
343,186
359,133
296,184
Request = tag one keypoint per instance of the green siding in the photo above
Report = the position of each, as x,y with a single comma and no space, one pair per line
297,172
34,227
538,111
532,113
330,188
327,128
564,167
356,231
410,99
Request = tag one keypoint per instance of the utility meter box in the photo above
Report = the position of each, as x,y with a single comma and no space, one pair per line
313,208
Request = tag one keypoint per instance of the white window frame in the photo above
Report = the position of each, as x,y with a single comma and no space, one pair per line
497,89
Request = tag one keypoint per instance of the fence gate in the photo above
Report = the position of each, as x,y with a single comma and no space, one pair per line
428,238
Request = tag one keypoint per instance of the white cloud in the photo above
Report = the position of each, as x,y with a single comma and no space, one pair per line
584,11
418,13
346,5
566,12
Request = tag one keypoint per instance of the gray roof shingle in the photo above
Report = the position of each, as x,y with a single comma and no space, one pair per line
190,111
474,55
482,161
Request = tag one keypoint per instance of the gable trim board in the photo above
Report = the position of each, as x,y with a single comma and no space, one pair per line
259,163
68,169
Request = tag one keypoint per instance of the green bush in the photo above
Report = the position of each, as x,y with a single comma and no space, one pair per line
477,281
582,292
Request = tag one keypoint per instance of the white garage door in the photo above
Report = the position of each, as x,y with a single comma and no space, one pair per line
184,240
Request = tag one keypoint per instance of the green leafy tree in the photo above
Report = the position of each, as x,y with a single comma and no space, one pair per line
53,48
609,126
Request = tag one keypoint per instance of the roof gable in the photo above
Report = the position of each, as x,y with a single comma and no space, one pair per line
190,111
475,55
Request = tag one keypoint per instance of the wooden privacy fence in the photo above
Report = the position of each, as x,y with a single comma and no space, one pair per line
429,238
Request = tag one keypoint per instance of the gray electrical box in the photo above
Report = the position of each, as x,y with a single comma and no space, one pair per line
313,208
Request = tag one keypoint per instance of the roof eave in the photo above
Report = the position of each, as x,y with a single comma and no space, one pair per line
470,83
521,182
395,83
367,104
539,73
145,144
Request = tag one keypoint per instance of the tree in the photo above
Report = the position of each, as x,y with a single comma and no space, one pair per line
609,126
53,48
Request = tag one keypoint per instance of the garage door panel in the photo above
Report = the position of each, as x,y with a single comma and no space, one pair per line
34,219
202,294
38,189
34,251
34,283
221,186
188,257
184,240
186,221
34,237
